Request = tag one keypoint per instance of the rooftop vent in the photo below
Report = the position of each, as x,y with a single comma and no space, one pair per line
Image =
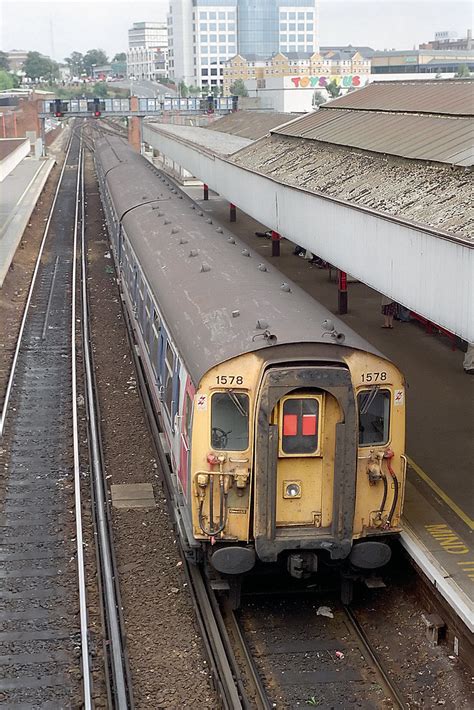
330,330
262,267
209,220
285,287
175,230
194,252
245,252
231,240
220,230
204,268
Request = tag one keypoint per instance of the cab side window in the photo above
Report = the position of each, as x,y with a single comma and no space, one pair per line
374,416
230,421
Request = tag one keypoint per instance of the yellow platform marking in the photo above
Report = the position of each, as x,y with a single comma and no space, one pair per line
444,496
467,566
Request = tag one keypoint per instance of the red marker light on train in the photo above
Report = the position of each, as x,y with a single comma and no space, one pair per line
97,114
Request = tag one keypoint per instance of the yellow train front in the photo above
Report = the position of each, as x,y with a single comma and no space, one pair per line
285,429
298,451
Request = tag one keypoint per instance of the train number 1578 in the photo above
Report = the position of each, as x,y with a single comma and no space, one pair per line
230,380
374,376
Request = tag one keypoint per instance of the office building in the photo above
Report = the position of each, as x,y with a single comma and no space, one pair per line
151,35
204,36
147,56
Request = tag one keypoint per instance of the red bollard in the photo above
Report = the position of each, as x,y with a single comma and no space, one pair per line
275,244
232,213
342,293
206,191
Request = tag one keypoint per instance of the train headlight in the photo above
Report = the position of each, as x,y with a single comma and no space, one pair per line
292,489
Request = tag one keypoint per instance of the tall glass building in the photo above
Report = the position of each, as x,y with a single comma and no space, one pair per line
270,26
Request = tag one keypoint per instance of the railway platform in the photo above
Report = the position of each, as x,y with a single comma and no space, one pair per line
439,502
19,194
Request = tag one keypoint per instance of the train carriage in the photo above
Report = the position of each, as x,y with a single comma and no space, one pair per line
285,429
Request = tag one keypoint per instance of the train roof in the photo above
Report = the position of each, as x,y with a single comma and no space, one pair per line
218,297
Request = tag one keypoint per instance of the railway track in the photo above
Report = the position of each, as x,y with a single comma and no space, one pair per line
45,649
304,658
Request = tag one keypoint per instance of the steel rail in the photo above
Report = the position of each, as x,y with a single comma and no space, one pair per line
85,660
260,698
117,655
30,295
218,646
387,681
218,652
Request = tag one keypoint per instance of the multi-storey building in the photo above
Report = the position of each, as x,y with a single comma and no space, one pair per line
16,59
148,34
330,63
147,56
221,29
143,63
181,41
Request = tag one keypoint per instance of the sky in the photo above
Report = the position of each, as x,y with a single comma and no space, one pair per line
58,28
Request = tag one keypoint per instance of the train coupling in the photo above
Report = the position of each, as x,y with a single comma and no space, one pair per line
302,564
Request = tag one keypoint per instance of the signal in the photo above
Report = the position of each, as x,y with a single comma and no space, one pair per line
96,107
57,108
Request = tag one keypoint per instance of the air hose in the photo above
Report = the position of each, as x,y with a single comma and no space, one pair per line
389,456
211,531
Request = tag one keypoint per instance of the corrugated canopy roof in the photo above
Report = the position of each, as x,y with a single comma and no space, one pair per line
448,97
442,139
250,124
430,194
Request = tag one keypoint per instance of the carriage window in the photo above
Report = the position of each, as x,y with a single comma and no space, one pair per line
229,421
168,377
300,426
374,416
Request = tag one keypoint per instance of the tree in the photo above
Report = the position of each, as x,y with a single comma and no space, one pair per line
75,63
194,90
462,72
318,99
333,89
4,61
183,89
6,80
37,66
100,90
94,56
120,57
238,88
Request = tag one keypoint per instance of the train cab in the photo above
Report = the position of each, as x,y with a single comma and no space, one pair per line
298,456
